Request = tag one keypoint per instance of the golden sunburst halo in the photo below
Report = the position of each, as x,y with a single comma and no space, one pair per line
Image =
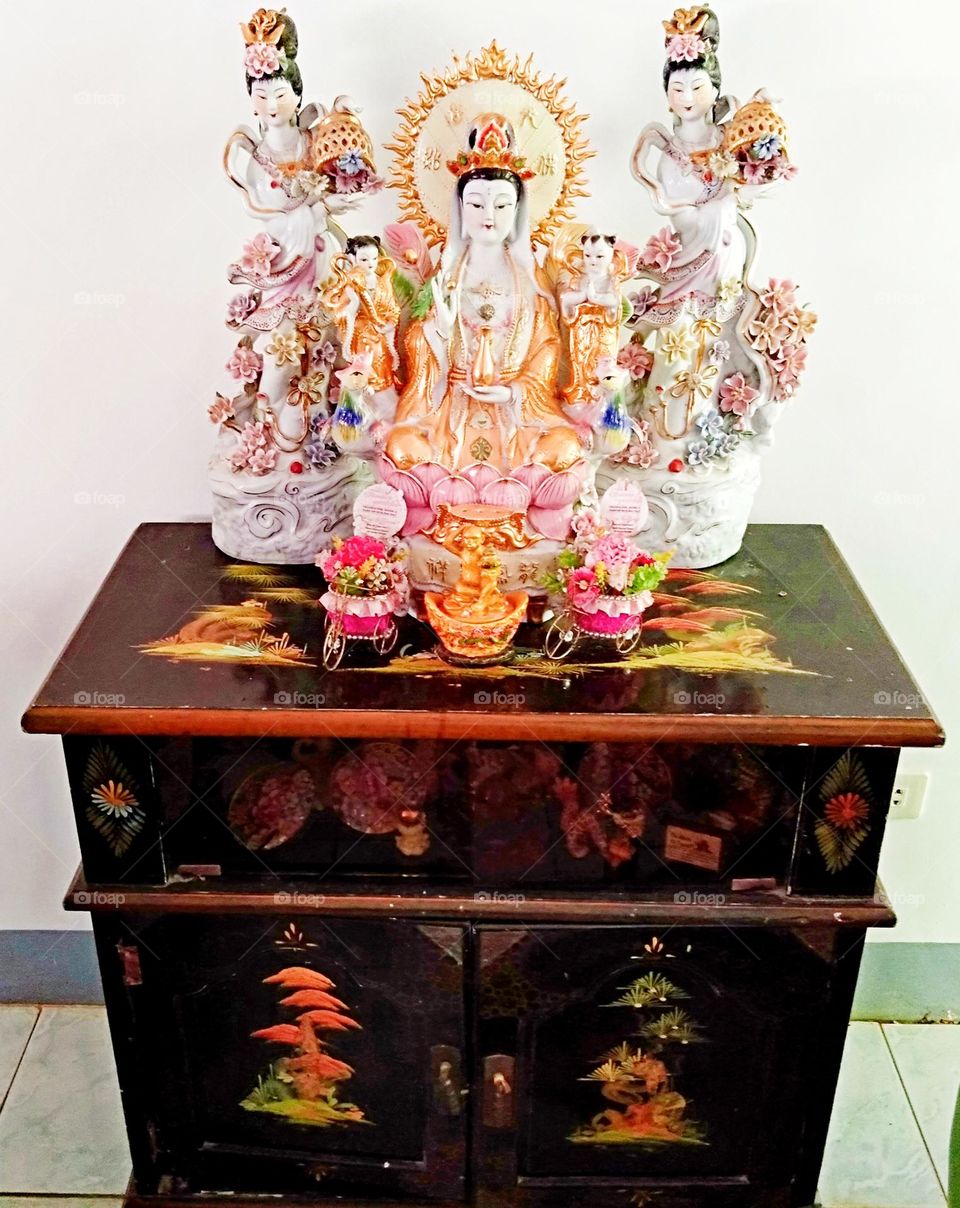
434,127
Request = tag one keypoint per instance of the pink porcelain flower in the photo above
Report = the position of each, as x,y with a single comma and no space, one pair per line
636,359
641,302
587,527
258,255
686,48
802,322
256,451
736,396
347,182
582,588
221,410
244,364
754,171
783,169
790,361
660,249
260,59
767,332
239,307
640,451
720,352
611,550
780,296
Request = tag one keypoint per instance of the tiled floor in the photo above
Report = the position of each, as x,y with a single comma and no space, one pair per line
61,1133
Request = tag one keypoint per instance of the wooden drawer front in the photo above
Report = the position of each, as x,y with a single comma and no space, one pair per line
261,1056
527,814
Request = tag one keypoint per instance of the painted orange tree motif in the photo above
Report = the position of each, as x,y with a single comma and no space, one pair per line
636,1076
302,1087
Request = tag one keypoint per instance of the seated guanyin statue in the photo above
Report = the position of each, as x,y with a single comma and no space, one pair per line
488,161
482,366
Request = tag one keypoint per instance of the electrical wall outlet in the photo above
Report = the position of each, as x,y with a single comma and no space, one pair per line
909,789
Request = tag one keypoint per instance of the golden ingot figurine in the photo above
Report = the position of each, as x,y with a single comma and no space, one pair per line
475,621
502,527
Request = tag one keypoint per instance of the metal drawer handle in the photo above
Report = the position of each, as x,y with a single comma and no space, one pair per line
499,1102
448,1090
500,1084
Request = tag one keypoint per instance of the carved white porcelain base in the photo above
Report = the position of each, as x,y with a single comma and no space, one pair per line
700,519
282,518
433,568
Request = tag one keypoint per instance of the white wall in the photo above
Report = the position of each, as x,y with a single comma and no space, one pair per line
116,116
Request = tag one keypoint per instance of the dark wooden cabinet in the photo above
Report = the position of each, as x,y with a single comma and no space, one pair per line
525,936
622,1060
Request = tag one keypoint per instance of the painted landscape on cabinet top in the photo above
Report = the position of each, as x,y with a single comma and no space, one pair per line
780,630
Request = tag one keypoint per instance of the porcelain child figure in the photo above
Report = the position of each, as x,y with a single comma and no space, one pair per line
362,301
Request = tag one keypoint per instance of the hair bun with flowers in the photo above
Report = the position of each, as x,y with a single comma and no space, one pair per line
692,35
270,47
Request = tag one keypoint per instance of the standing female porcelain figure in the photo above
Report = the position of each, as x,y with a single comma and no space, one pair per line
281,189
715,371
277,495
707,246
482,366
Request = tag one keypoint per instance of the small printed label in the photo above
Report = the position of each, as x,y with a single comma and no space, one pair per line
693,847
624,507
379,511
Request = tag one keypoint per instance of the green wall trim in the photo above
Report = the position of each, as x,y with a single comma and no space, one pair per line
909,983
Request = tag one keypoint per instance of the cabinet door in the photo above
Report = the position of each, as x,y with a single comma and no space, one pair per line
273,1056
630,1068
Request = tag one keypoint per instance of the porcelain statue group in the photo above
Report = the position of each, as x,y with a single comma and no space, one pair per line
493,360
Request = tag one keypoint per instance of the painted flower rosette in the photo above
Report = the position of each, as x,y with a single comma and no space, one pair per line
605,583
367,589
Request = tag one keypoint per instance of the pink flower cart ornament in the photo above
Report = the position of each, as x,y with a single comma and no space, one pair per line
370,620
605,583
368,589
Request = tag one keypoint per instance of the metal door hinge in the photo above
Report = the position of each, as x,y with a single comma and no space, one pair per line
130,963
